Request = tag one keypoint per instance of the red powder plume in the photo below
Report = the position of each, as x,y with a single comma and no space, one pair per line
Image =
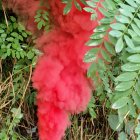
60,74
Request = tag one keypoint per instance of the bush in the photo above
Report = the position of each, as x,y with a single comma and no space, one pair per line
17,59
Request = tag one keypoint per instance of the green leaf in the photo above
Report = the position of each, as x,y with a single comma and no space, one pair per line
30,55
120,94
92,113
37,16
137,87
136,99
138,117
114,122
120,103
67,8
13,18
21,27
128,41
20,38
98,35
132,3
84,2
137,1
123,112
91,55
17,113
13,53
115,33
8,52
92,69
1,31
77,5
138,137
106,20
17,55
134,58
21,54
105,56
127,7
88,9
130,67
15,25
24,34
101,28
91,4
136,40
101,65
105,12
123,86
110,48
137,21
119,45
126,13
110,4
132,33
122,136
10,39
8,45
129,126
137,129
118,26
133,50
40,25
132,108
136,29
93,16
94,42
122,19
127,76
45,17
3,35
14,34
15,46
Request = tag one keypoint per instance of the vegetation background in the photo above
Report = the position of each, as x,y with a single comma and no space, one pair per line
114,110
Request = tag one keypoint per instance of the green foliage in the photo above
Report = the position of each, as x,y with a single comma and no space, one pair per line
42,20
128,79
102,54
12,41
92,107
17,58
12,121
69,4
117,54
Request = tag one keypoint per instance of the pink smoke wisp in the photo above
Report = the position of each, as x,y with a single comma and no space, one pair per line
60,74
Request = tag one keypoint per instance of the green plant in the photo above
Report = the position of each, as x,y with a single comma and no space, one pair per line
12,120
42,20
127,44
17,59
116,63
123,91
69,5
12,41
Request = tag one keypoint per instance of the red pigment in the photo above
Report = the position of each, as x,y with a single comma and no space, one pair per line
60,74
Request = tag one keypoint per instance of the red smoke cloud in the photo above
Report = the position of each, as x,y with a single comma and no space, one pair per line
60,74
